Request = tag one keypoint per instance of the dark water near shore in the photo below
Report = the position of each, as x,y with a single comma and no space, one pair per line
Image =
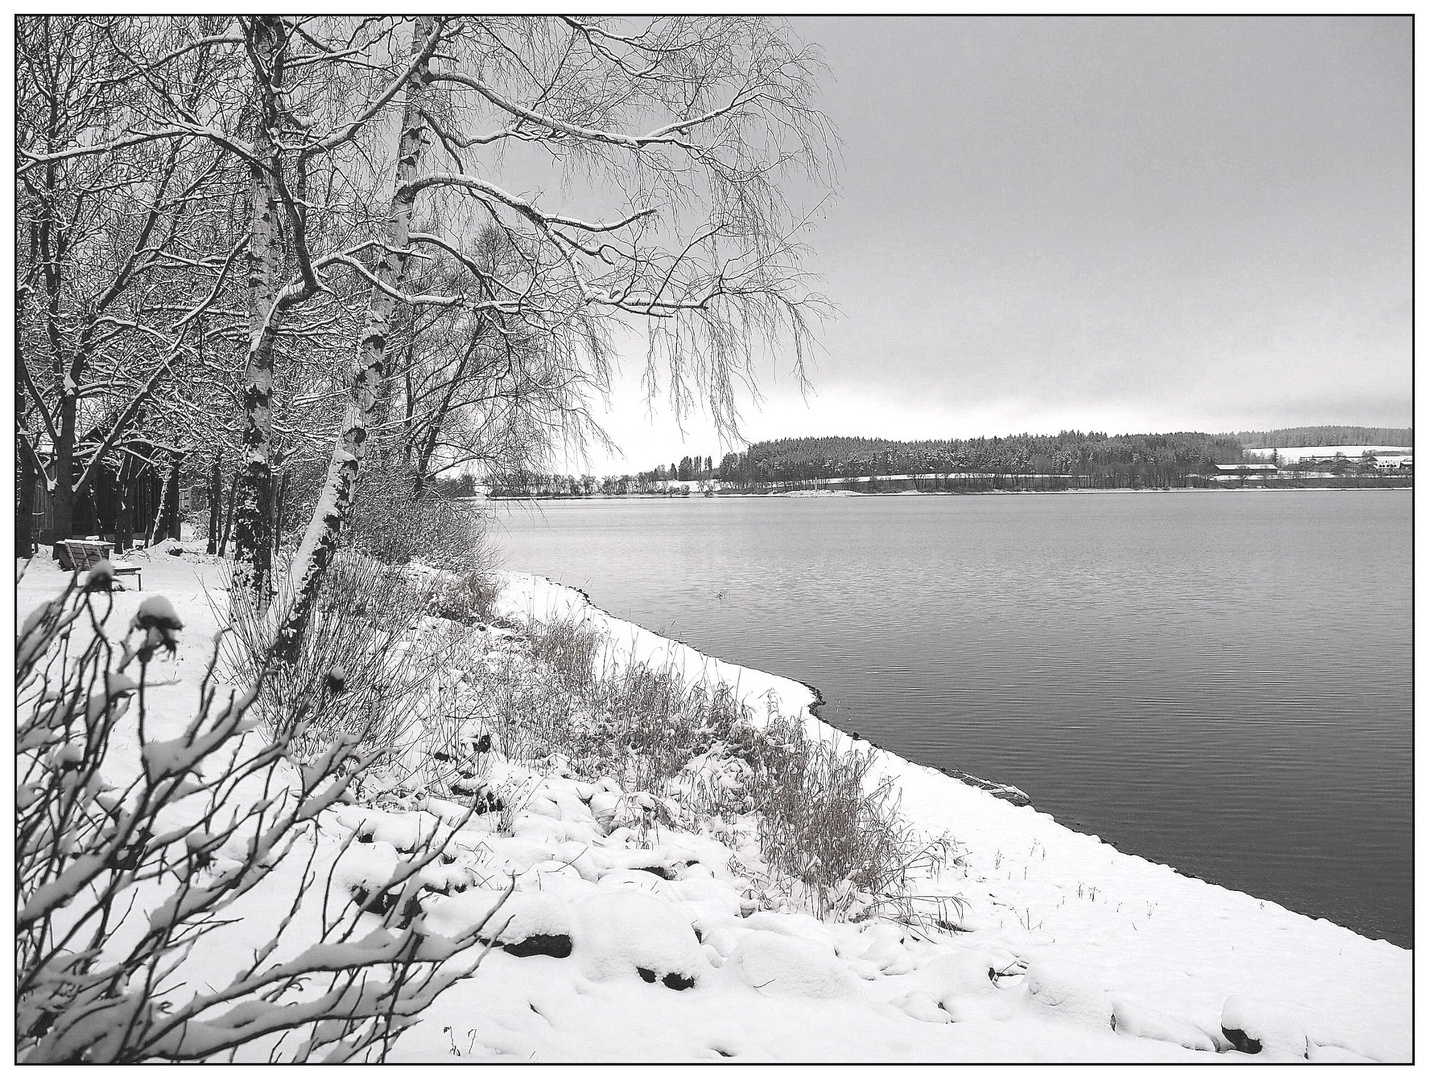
1222,681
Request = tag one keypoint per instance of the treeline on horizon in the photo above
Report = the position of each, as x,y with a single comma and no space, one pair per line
1091,459
1082,459
1327,435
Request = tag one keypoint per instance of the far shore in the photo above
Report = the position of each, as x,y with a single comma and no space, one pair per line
807,493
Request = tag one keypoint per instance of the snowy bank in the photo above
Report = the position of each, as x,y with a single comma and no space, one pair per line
627,938
1141,932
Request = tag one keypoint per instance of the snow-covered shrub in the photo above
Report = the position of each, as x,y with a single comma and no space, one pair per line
658,723
467,598
636,723
366,666
172,875
830,833
388,522
390,525
823,821
826,823
522,706
569,647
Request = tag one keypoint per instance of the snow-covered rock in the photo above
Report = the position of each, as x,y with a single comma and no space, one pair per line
1070,993
626,932
1255,1026
789,965
922,1006
1146,1023
458,916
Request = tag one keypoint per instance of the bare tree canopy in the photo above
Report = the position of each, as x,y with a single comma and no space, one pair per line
124,254
472,209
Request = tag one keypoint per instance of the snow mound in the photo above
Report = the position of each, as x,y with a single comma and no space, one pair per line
533,923
456,917
404,830
790,966
883,947
1068,991
1146,1023
919,1005
626,932
369,867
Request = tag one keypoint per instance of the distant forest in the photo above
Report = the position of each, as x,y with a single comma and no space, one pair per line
1089,459
1027,462
1327,435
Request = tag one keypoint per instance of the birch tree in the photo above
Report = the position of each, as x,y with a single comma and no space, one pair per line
629,175
320,540
680,131
318,87
266,46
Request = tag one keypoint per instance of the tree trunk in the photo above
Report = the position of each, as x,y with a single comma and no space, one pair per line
174,523
165,521
62,494
335,503
25,501
124,509
67,376
216,507
253,506
229,515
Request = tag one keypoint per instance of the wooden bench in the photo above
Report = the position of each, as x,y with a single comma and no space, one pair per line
84,554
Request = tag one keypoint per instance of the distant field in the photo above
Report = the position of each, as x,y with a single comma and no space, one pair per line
1294,453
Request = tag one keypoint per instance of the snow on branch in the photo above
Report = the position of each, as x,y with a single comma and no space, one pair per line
149,846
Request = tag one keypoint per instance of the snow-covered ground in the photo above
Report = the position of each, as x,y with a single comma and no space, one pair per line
626,940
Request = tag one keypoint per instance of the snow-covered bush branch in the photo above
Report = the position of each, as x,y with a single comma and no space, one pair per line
152,849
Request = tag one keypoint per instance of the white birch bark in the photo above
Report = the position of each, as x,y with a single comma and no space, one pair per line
335,503
253,514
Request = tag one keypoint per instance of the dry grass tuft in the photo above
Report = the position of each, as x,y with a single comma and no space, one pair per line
830,832
364,670
828,823
467,598
567,647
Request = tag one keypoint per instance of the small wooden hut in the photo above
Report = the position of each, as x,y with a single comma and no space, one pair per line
120,503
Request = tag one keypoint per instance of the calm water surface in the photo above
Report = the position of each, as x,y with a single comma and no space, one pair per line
1222,681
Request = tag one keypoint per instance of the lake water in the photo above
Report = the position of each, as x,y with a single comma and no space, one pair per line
1221,681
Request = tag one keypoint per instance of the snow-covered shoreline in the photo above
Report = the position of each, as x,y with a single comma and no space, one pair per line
1145,931
1064,949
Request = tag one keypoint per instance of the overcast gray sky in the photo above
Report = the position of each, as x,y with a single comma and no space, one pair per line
1105,224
